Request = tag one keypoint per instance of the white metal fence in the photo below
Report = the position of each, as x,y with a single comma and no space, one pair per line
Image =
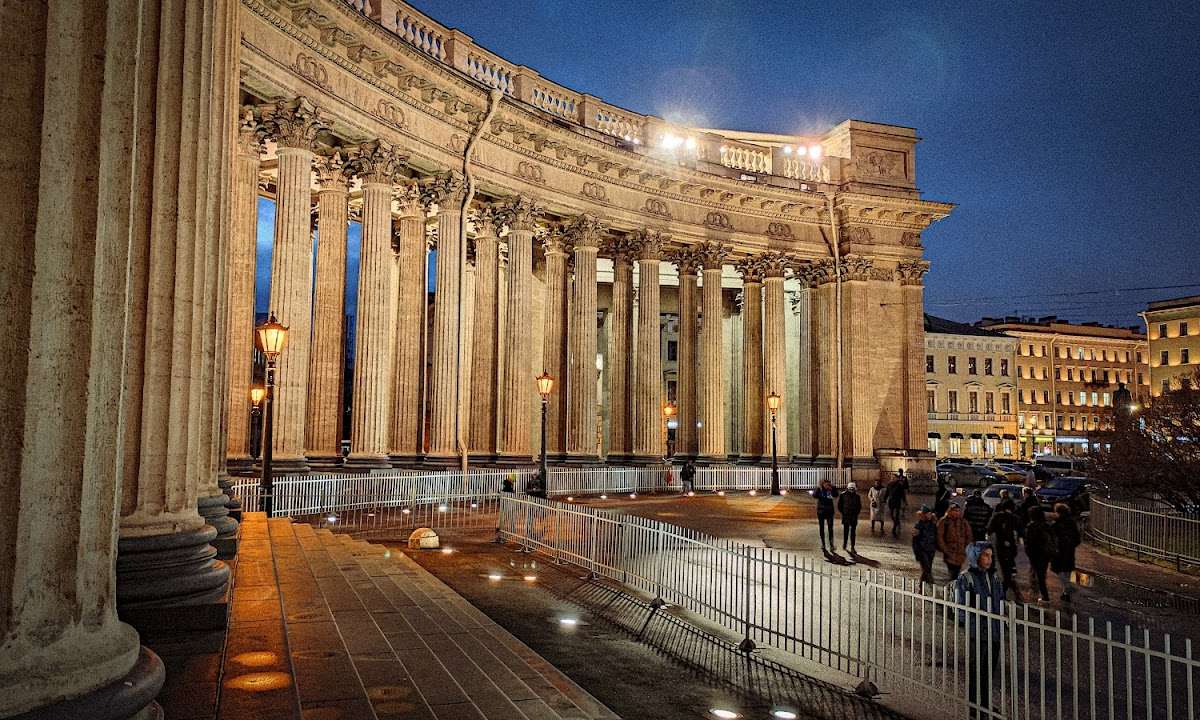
1156,532
913,641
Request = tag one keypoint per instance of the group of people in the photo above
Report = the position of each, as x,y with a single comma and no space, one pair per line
1049,538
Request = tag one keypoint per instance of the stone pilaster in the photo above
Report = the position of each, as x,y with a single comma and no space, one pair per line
622,250
585,232
648,393
376,163
774,265
688,263
912,286
294,125
554,353
446,193
856,368
412,259
802,309
753,395
519,387
240,288
711,390
323,429
823,300
485,332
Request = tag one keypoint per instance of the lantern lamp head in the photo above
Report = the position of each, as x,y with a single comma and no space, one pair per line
271,337
669,410
257,393
545,384
774,401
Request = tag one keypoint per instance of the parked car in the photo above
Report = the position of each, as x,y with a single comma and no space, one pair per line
968,477
991,494
1009,473
954,461
1072,490
1059,464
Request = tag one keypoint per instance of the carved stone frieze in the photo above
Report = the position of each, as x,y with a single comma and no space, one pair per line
859,235
309,68
779,230
654,206
594,191
718,221
391,114
531,172
910,239
886,164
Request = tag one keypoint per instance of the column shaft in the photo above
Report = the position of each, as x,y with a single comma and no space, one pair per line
621,419
554,353
412,258
647,442
519,387
240,289
581,382
753,394
447,193
712,367
804,388
685,388
775,358
323,431
485,335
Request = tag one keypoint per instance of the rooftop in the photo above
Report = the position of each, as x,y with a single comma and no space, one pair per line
1052,324
949,327
1174,303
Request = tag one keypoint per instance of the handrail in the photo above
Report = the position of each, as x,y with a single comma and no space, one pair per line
1143,531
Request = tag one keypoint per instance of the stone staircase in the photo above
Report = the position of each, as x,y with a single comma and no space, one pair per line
326,627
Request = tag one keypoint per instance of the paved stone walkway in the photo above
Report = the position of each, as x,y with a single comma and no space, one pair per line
325,627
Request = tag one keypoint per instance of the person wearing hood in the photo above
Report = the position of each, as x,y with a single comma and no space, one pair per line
953,536
979,589
924,542
1066,533
1002,532
849,504
826,496
978,514
876,496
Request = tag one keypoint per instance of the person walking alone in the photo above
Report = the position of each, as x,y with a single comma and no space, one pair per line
977,514
941,498
687,476
849,504
897,498
1066,534
876,496
1041,546
924,542
825,496
1002,532
953,536
979,589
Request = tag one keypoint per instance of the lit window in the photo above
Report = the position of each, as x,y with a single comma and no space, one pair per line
1095,400
930,401
1107,400
928,363
1003,367
1183,329
952,364
1162,330
1082,398
971,366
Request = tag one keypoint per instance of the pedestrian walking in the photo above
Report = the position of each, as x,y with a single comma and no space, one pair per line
687,476
1041,546
953,537
876,497
978,588
1002,532
941,498
849,504
977,514
1028,502
826,497
924,542
1066,533
897,498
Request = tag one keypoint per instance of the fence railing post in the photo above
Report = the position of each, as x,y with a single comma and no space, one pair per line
746,645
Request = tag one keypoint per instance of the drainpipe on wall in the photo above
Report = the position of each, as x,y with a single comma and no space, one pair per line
494,96
835,244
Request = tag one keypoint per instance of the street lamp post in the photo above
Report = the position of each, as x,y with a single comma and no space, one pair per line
545,385
669,411
257,394
773,402
270,337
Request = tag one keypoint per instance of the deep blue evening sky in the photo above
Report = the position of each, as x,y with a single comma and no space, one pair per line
1066,133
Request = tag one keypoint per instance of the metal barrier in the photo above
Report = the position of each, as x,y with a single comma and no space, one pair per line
1142,529
916,642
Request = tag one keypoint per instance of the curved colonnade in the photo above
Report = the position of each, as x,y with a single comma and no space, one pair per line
143,133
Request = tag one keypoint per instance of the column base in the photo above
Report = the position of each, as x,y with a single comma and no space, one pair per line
582,459
288,466
618,458
441,461
328,463
215,511
130,697
507,461
481,458
642,460
364,463
750,459
238,465
234,504
172,582
405,461
705,461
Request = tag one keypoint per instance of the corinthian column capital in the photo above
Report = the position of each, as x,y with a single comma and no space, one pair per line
293,123
586,230
650,243
524,212
250,133
377,162
750,268
556,242
333,171
447,189
912,272
687,260
774,264
489,218
407,198
712,255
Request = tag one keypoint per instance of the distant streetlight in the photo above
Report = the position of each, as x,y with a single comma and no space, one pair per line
271,338
545,385
257,394
669,411
773,402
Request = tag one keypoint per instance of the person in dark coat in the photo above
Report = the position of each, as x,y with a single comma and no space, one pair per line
1041,545
1066,533
977,514
897,498
1002,531
826,496
849,504
941,498
924,542
978,588
687,476
1028,502
953,537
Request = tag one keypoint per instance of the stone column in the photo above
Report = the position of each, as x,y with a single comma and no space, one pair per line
688,263
485,332
822,299
294,125
648,391
446,192
412,257
801,307
916,423
376,163
522,214
753,395
241,260
856,368
774,265
711,390
323,430
620,343
585,232
554,353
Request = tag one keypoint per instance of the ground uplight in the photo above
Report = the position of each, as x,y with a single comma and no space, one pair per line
724,714
784,714
530,578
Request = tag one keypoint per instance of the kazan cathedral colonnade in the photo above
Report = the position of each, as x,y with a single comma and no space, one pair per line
144,132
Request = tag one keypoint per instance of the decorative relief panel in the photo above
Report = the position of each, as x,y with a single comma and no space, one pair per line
718,221
779,230
308,68
887,164
657,207
859,235
911,239
531,172
391,114
595,191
